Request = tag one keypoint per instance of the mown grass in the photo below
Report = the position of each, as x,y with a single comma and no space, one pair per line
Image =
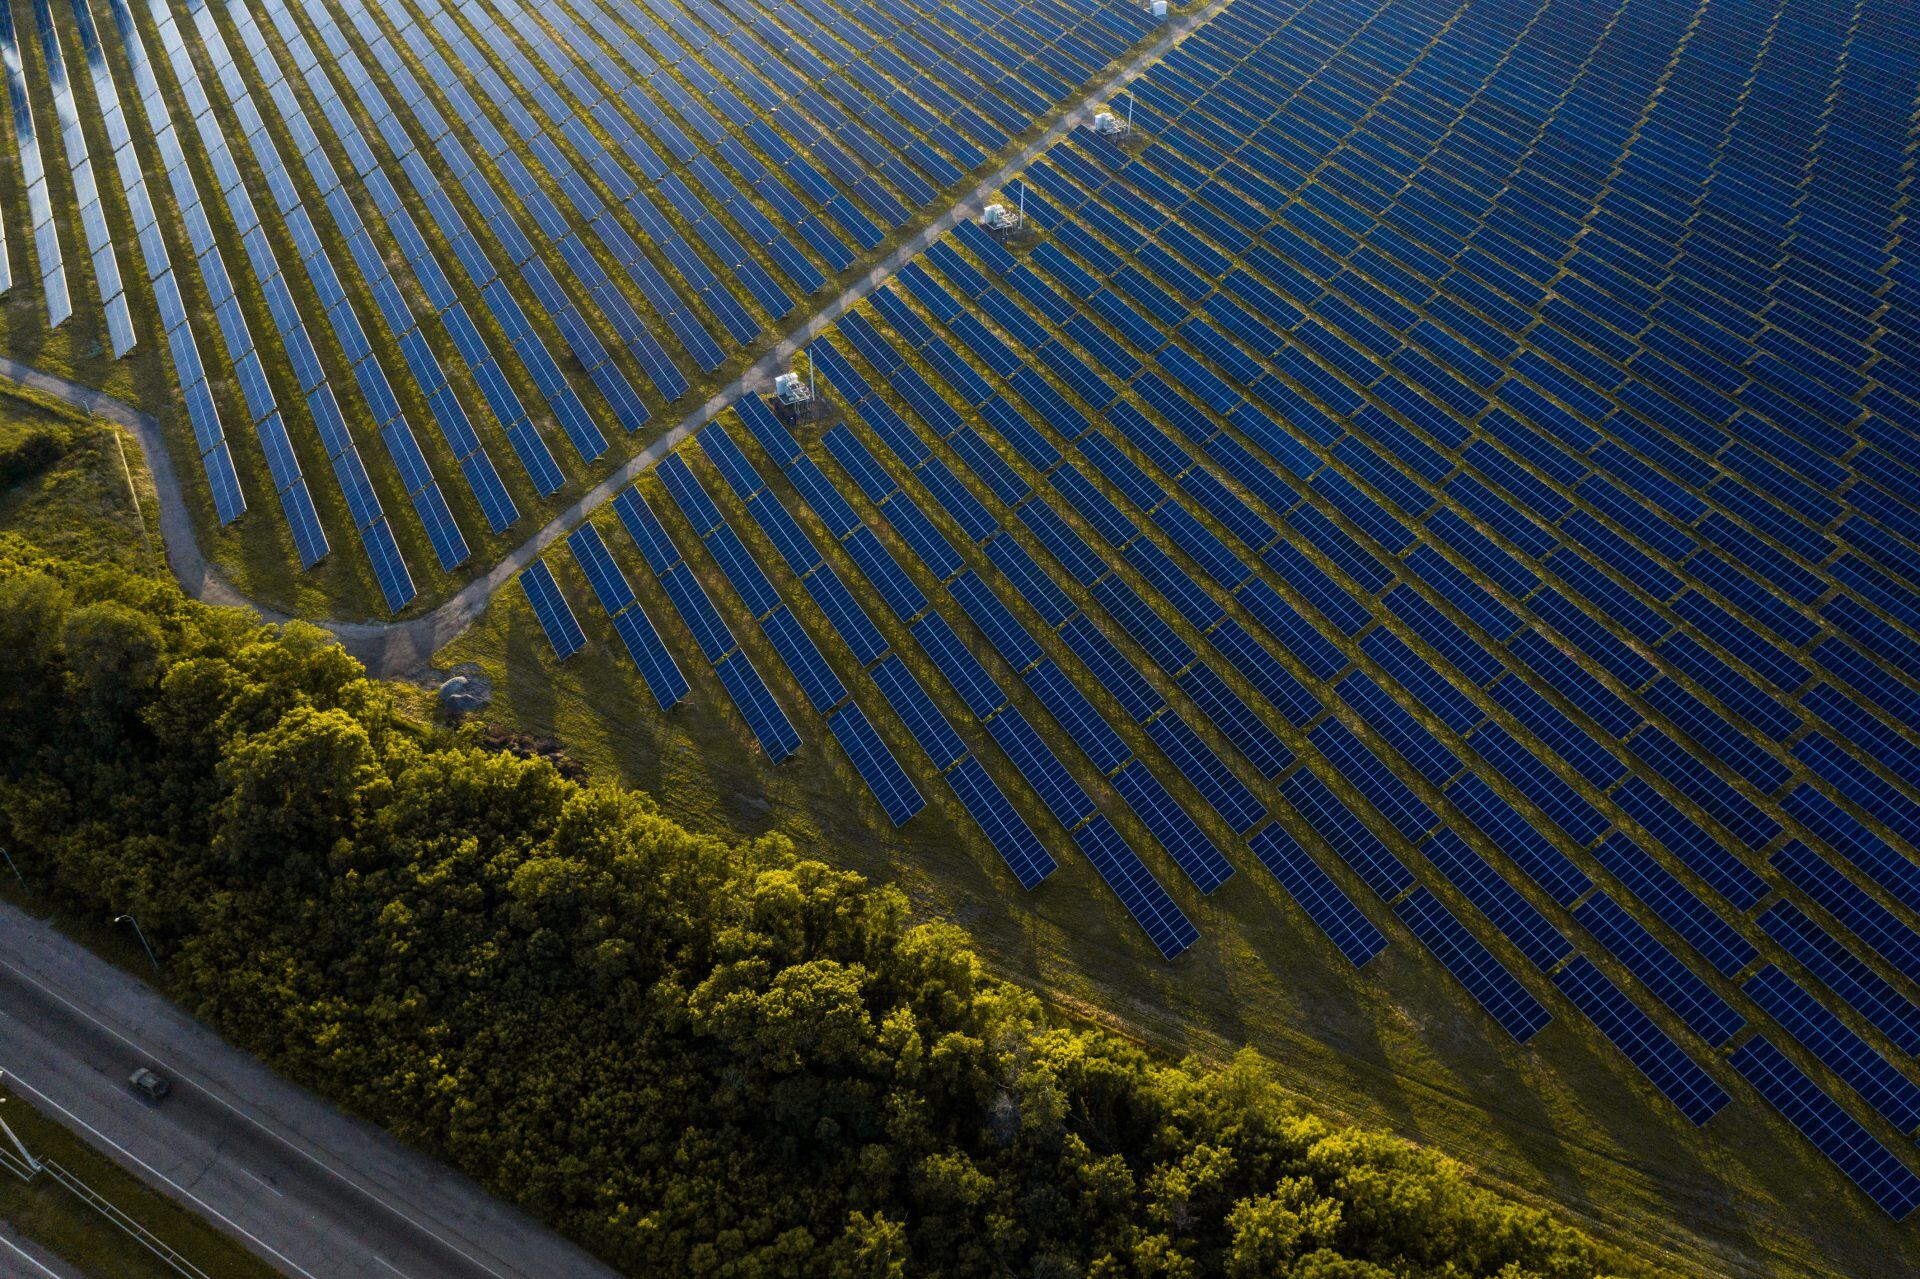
73,486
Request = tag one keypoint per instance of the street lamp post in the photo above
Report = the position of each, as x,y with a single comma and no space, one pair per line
15,869
137,932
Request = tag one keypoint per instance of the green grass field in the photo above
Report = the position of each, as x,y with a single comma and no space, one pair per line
1565,1120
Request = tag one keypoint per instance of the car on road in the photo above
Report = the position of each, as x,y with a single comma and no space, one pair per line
149,1084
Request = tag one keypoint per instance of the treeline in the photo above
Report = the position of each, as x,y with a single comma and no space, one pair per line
694,1056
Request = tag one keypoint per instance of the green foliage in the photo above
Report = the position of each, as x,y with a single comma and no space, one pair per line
697,1057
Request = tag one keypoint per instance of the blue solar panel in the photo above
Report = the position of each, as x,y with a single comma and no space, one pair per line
1844,973
1677,906
550,608
1330,909
1362,769
885,575
1834,1133
961,668
802,656
1849,837
1503,904
1852,905
818,492
1003,826
1166,821
657,667
770,725
1077,717
1043,770
1706,856
1879,1083
742,571
844,614
1347,835
689,495
610,585
1518,840
1659,970
1224,792
1678,1077
877,767
644,527
1473,965
1009,638
1145,899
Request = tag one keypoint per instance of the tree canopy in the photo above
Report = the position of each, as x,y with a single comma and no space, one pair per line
695,1056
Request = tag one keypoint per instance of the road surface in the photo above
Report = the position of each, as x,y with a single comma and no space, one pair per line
397,649
317,1194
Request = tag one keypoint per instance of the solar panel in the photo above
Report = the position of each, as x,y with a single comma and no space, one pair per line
1503,904
1844,973
1172,826
878,768
1009,638
1834,1133
1196,761
1659,970
1042,769
1495,989
1873,923
1325,904
1683,837
1878,1082
1678,1077
770,725
998,820
1716,940
885,575
1165,924
1347,835
550,608
1518,840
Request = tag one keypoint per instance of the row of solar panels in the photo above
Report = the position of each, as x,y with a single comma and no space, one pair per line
183,350
1650,961
1650,1048
496,504
251,370
46,236
1816,459
1767,774
1853,904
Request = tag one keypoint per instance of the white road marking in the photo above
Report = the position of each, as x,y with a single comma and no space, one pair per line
389,1265
263,1181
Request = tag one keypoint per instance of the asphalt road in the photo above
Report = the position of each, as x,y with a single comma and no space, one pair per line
312,1191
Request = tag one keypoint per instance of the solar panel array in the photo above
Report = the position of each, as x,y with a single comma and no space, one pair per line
1506,548
1465,458
690,174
